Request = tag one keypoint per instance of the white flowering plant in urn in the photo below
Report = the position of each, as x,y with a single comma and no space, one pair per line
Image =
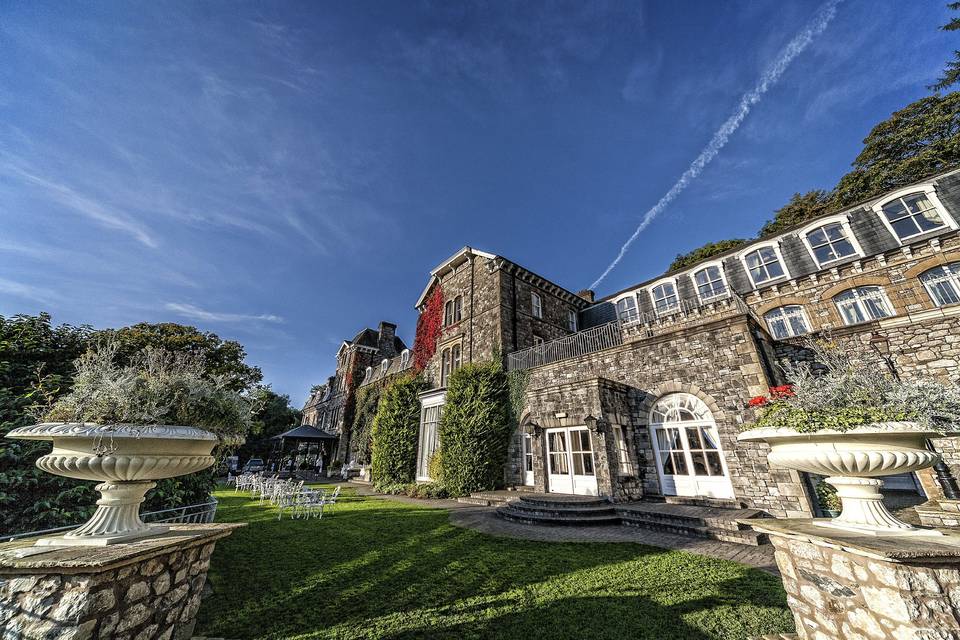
846,417
128,426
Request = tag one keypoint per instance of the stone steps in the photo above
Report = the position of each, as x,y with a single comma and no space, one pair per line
570,511
700,522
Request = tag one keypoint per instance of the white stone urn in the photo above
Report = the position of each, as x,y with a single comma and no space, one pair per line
127,460
852,460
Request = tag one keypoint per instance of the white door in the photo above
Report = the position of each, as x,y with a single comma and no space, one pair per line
527,461
570,466
685,441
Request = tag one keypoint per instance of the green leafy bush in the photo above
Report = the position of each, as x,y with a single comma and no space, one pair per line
395,427
706,251
368,399
827,496
475,428
838,391
421,490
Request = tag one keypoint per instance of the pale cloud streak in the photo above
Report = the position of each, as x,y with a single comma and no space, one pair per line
196,313
27,291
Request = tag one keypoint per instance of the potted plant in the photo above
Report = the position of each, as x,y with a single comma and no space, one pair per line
854,423
129,426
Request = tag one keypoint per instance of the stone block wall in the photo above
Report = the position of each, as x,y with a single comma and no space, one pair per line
855,589
151,595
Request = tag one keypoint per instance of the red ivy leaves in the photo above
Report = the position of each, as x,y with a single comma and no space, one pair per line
776,393
429,325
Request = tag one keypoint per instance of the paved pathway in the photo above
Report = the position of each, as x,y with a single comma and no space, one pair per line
485,520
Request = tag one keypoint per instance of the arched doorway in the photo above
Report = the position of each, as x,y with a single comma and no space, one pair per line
687,448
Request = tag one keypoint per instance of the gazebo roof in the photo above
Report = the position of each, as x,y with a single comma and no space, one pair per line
305,432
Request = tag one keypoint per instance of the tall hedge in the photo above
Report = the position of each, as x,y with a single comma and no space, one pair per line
368,399
395,427
475,428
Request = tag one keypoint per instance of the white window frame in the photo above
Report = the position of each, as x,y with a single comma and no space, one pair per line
927,189
368,373
844,221
457,309
953,279
653,298
384,365
404,358
859,303
723,278
803,314
636,308
536,305
572,320
448,313
775,245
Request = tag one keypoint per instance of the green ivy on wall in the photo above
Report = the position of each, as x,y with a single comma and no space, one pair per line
394,433
475,429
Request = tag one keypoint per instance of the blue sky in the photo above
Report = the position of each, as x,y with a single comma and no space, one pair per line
284,174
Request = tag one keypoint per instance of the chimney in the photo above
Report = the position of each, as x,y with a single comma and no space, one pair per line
587,294
385,343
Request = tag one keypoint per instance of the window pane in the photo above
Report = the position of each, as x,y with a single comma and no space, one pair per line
680,464
894,210
817,237
699,463
824,253
693,438
586,464
709,442
713,463
905,227
774,270
667,459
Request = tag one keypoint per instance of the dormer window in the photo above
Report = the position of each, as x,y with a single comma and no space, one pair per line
710,282
831,242
404,358
914,214
368,373
536,305
627,309
764,265
384,365
665,298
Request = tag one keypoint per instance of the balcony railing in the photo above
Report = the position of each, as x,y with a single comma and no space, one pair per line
581,343
630,327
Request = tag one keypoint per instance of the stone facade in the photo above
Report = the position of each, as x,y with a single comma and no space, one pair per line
330,404
843,586
145,591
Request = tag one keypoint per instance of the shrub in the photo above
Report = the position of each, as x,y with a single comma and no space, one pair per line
475,428
837,392
827,496
706,251
395,428
368,398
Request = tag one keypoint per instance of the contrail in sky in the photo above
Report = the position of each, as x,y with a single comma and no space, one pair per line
793,49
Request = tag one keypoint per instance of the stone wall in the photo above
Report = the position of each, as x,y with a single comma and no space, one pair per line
720,362
847,586
149,590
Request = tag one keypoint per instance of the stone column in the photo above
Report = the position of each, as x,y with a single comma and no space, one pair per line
849,586
144,590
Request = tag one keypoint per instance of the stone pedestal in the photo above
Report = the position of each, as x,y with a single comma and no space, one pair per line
847,586
144,590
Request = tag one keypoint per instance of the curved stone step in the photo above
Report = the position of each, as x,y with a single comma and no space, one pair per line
564,501
525,517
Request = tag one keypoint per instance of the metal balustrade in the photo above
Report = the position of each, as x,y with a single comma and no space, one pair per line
190,514
613,334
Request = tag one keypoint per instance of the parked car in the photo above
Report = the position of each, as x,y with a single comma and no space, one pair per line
254,465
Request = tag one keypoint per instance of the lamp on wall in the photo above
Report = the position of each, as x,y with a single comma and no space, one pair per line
597,425
530,425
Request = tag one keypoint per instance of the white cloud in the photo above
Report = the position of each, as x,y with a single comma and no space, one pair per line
29,292
196,313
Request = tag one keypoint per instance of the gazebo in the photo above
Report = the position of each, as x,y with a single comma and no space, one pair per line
309,450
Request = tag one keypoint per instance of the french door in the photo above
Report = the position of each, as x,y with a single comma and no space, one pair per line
527,458
570,467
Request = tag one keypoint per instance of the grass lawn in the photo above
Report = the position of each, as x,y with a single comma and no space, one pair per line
384,569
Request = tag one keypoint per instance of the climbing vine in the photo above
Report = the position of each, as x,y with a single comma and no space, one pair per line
429,325
518,381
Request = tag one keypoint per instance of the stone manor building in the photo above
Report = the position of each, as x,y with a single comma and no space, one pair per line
642,393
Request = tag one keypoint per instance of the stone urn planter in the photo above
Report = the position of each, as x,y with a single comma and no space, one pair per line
853,461
127,460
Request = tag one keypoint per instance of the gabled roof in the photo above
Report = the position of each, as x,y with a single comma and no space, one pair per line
452,262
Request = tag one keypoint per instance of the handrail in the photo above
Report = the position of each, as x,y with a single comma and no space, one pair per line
198,513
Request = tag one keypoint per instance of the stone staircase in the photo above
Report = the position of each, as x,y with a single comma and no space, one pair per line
718,523
494,498
702,518
570,511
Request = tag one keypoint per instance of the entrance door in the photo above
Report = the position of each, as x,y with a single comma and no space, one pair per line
689,457
570,461
527,452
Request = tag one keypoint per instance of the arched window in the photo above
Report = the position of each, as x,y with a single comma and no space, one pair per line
830,242
862,304
448,313
384,365
455,358
710,282
912,214
368,373
404,358
627,309
687,443
764,265
943,283
787,321
665,298
444,367
458,309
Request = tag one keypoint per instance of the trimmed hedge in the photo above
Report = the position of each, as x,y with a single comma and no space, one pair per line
475,429
395,428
